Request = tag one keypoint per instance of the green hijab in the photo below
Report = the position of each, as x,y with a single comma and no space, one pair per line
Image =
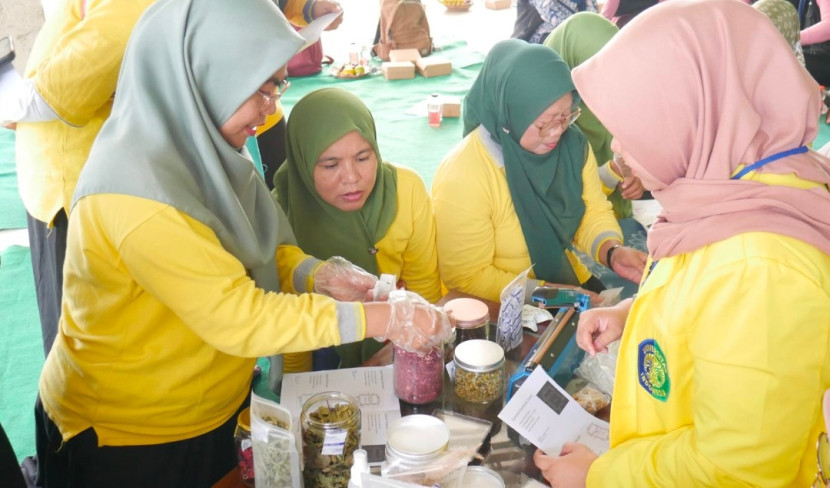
576,39
317,121
517,83
189,65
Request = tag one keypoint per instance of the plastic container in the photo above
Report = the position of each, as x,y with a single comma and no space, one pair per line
472,318
414,441
244,447
481,477
479,371
434,110
418,379
331,432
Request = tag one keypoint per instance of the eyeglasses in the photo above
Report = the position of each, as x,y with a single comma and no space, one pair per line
271,100
561,123
823,458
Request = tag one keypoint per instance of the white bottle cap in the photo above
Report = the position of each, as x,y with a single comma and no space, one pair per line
361,465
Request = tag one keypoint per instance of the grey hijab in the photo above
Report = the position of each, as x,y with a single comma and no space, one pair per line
188,67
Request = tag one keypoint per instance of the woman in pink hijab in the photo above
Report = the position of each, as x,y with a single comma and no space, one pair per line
724,351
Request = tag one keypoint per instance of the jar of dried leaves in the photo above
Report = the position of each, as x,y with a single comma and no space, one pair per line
331,433
479,371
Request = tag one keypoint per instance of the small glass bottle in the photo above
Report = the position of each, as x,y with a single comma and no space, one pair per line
418,379
244,447
354,54
434,110
479,371
331,432
412,441
472,318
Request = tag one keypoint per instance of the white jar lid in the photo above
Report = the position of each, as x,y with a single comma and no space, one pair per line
481,477
479,353
418,435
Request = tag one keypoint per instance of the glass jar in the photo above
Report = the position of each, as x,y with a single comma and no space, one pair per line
472,318
434,110
418,379
244,447
479,371
481,477
331,432
413,441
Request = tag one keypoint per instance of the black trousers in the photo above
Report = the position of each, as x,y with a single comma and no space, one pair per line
81,463
819,67
48,247
271,145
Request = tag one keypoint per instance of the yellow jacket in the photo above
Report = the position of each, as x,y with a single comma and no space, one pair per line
406,251
721,370
481,247
161,327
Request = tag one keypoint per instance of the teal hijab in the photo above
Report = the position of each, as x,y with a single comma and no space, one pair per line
317,121
577,39
189,65
517,83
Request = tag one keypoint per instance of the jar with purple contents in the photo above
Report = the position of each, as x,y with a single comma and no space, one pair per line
472,318
418,379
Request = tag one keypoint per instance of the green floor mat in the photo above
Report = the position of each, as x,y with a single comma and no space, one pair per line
12,213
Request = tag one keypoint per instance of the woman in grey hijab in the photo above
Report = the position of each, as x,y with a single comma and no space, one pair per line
171,287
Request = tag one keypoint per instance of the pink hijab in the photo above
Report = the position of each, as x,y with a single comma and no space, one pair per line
720,87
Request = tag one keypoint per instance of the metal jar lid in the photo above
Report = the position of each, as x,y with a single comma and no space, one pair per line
417,438
479,355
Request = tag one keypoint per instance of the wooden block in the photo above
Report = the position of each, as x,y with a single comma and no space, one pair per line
497,4
433,66
451,107
404,55
398,70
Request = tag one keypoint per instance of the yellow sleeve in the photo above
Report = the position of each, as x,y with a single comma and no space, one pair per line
414,231
469,206
298,12
598,224
81,74
759,365
190,272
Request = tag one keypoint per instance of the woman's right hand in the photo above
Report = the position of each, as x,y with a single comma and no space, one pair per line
414,324
599,327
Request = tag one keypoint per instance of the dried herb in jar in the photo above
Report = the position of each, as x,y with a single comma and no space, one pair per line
331,433
478,387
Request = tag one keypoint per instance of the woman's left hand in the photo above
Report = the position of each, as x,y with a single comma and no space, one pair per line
568,470
631,188
344,281
323,7
628,263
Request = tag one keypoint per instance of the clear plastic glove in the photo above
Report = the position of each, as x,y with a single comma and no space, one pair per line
344,281
414,324
599,327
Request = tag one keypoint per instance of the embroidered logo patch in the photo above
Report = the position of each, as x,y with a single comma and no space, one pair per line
653,370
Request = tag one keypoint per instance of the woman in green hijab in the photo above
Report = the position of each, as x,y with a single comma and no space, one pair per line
522,187
577,39
342,199
171,286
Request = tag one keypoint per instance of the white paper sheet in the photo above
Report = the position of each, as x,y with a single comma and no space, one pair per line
370,386
547,416
312,31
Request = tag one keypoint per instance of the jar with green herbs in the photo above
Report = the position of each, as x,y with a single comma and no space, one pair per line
331,433
479,371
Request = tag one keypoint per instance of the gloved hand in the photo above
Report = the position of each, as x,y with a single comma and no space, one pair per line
414,324
344,281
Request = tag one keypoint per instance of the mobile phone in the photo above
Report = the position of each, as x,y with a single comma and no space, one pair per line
6,51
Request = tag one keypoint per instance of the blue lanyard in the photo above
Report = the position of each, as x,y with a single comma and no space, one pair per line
767,160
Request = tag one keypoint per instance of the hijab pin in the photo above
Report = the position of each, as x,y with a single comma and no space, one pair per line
373,250
506,130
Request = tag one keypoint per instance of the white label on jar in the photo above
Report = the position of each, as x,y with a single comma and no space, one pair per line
334,443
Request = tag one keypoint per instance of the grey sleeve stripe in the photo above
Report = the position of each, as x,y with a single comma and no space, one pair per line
608,179
347,322
602,237
302,273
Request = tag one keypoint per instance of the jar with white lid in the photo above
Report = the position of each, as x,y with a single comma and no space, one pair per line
412,442
479,371
472,318
481,477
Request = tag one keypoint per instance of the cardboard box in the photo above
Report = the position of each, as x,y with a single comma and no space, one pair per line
404,55
433,66
497,4
451,107
398,70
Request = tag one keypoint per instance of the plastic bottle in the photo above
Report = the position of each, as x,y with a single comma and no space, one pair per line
434,110
361,465
354,54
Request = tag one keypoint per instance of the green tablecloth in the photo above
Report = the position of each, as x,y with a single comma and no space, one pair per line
12,213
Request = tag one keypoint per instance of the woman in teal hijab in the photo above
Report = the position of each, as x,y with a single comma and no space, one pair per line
577,39
342,199
171,287
522,186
